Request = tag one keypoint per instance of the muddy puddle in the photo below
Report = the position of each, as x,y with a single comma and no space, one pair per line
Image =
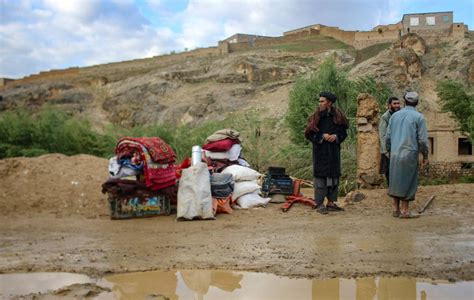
206,284
28,283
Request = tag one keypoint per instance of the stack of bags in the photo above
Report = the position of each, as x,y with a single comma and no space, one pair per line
224,148
151,157
246,187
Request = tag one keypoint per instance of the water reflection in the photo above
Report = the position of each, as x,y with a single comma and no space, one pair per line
365,288
140,285
26,283
210,285
396,288
325,289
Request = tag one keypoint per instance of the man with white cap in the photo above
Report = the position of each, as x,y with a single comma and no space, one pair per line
406,137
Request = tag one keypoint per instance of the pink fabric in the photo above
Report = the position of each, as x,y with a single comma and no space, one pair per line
220,146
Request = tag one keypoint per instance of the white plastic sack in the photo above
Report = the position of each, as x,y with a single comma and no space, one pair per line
252,200
194,194
244,187
241,173
232,154
243,162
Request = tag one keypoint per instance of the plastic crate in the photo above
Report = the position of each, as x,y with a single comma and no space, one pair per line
277,185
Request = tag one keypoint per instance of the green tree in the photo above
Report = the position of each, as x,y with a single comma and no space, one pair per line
456,100
304,97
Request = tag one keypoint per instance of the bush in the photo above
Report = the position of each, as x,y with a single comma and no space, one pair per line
50,131
466,179
380,91
304,97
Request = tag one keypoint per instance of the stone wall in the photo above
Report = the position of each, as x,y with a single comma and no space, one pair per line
368,146
223,47
458,30
297,30
268,41
47,75
129,64
357,39
368,38
201,52
433,32
236,47
347,37
450,170
5,81
287,38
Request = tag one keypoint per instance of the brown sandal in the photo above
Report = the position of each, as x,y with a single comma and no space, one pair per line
396,214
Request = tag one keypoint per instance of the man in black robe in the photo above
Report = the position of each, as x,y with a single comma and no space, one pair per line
326,129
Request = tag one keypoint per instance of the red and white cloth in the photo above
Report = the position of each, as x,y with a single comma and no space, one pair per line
158,158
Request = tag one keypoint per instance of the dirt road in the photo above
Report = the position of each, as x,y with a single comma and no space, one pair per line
47,227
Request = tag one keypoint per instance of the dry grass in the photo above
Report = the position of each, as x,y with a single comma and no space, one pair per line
310,44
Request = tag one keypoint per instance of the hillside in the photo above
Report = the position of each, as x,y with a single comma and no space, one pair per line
192,90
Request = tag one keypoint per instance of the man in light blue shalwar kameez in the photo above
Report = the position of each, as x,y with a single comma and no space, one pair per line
406,137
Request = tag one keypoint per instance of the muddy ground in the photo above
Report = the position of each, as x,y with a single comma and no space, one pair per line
54,218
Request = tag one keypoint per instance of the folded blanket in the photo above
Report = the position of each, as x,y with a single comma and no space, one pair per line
158,165
220,146
159,151
223,134
232,154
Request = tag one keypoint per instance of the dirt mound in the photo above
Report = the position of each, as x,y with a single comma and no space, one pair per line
53,183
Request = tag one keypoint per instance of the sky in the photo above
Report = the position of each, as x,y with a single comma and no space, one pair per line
40,35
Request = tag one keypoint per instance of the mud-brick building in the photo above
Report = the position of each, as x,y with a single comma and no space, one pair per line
4,81
434,24
451,152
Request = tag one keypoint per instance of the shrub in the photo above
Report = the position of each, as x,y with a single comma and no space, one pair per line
304,97
297,156
52,130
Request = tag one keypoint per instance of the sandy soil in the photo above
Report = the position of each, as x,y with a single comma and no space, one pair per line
54,218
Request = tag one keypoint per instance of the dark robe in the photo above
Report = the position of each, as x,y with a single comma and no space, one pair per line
327,155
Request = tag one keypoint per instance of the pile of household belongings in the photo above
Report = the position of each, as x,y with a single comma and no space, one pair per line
232,182
152,191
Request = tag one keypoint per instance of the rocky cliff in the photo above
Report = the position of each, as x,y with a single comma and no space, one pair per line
194,90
